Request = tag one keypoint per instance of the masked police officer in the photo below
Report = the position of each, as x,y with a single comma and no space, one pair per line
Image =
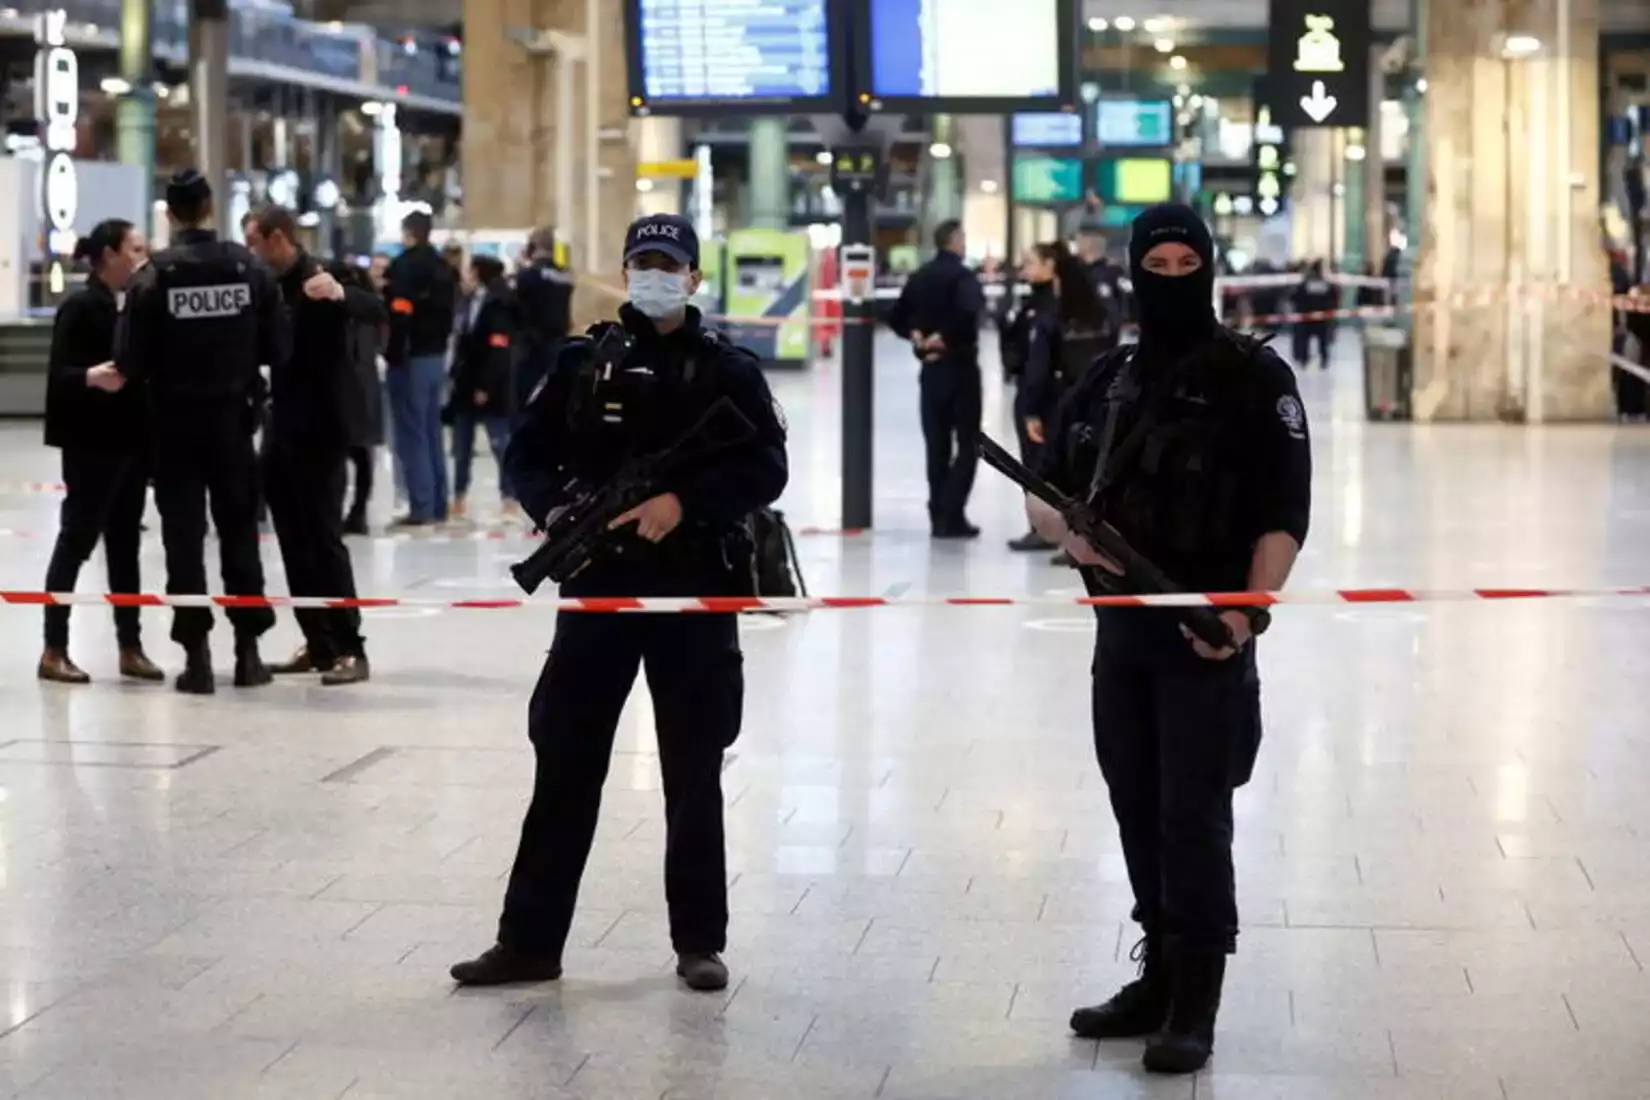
617,394
199,320
1194,446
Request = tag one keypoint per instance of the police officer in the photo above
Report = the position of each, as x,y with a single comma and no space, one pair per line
199,320
939,313
320,409
1194,446
590,414
544,293
1316,296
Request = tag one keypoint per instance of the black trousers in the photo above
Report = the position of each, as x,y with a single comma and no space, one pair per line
951,406
696,677
105,498
361,461
304,484
208,456
1175,736
1308,332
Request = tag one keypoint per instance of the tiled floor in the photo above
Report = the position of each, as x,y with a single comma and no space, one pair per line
1443,863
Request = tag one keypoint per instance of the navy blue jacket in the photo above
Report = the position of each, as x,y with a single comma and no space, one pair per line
551,454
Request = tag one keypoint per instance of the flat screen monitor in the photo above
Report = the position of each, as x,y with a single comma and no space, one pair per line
1048,180
983,56
1048,130
716,57
1135,181
1134,123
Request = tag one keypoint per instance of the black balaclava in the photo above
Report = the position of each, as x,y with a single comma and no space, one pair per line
1175,311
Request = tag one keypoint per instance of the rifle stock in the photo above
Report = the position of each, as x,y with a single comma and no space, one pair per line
1140,573
578,533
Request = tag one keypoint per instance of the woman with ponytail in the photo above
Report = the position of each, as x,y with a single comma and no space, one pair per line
100,425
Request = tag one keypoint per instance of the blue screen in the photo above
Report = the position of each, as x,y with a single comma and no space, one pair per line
961,49
733,49
1048,129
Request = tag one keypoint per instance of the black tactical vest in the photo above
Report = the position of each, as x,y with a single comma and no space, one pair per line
208,346
1160,447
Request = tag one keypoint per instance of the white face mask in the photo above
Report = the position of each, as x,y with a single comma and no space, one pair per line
659,294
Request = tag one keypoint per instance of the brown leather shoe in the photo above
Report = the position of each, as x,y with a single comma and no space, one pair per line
301,664
55,667
347,670
136,665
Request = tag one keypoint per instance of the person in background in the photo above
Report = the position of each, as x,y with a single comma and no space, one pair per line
421,288
1108,278
367,354
1632,392
938,311
483,381
320,410
100,425
1315,295
378,272
1017,336
1069,335
544,293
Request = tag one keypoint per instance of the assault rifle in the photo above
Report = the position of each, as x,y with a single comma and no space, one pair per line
576,534
1139,574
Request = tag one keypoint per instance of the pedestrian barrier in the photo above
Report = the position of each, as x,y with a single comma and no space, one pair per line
1338,597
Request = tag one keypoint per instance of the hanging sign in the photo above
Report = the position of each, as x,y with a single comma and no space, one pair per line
1271,154
57,105
1318,62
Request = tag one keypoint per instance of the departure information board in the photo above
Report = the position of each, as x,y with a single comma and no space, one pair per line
698,56
981,54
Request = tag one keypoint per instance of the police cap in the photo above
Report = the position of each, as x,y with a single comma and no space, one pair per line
670,234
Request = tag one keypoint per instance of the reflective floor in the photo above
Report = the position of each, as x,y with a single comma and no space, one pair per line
1444,870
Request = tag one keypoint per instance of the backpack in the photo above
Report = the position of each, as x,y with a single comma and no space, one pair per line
774,566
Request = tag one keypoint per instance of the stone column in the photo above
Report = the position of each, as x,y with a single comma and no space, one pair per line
769,192
1511,219
517,102
1312,202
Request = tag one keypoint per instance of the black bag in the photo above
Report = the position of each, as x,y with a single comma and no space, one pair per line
778,573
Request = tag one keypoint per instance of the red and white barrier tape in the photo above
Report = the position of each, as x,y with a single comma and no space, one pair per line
744,604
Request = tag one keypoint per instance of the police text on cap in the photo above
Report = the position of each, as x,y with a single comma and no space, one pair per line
674,232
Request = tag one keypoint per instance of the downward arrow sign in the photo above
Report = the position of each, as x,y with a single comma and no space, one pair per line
1320,104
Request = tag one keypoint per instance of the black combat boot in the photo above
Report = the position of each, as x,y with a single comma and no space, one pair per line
1185,1044
196,677
501,965
250,670
1139,1008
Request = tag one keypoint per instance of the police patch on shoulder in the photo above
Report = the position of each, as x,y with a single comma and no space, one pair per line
1292,416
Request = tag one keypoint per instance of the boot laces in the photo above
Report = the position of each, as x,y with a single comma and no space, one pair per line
1137,955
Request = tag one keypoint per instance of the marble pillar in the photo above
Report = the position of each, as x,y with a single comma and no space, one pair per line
547,132
769,186
1511,215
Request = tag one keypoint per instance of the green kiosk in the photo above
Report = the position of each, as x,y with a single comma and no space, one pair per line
766,293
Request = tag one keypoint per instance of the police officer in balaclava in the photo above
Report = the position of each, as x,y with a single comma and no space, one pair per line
1194,446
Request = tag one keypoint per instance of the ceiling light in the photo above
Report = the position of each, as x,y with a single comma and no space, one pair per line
1164,45
823,157
1097,24
1356,152
1123,23
940,151
114,85
1421,84
988,187
1157,24
1521,45
1177,63
644,185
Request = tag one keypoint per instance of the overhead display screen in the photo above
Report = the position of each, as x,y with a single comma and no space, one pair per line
703,56
1048,130
1136,181
1048,179
923,54
1134,123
